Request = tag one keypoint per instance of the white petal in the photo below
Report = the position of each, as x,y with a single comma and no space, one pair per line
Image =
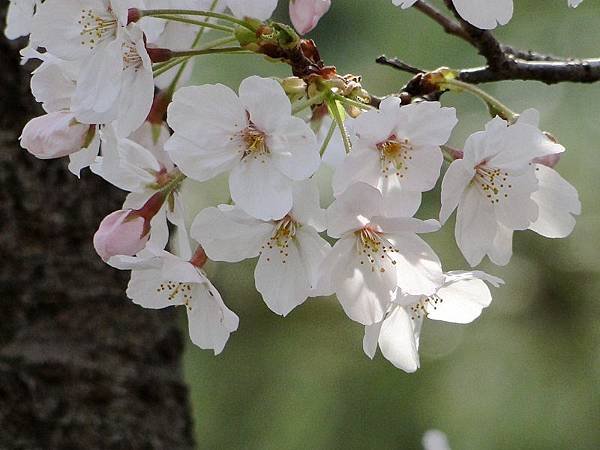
457,178
557,201
353,209
371,338
307,208
313,251
228,234
363,292
260,189
281,277
418,268
145,289
426,123
210,321
485,14
293,148
462,301
363,164
99,85
500,251
475,226
398,342
266,102
257,9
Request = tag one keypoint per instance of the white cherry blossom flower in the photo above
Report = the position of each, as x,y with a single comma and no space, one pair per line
73,29
460,299
494,188
290,248
397,150
160,279
115,84
19,17
574,3
376,255
256,9
144,170
254,136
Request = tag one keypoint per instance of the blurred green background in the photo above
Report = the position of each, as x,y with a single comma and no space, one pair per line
524,376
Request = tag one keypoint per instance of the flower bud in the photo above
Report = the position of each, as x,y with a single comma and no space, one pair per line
121,233
305,14
54,135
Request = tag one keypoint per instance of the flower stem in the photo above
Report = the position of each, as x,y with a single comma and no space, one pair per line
200,23
351,102
495,106
334,109
327,140
191,12
209,51
315,100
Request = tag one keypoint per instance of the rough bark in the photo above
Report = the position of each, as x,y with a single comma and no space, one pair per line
81,367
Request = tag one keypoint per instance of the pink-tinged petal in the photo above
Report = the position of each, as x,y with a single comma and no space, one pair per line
54,135
305,14
557,202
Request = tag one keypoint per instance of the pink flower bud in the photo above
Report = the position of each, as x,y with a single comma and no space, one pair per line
121,233
54,135
305,14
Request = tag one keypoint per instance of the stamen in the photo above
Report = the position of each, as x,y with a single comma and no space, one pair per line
285,230
494,183
255,143
394,153
96,27
176,292
374,248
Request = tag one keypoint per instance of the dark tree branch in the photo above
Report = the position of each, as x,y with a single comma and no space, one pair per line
503,62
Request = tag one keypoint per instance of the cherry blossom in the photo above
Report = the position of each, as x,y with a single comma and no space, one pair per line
494,188
460,299
254,136
55,135
144,170
290,248
376,255
397,150
160,279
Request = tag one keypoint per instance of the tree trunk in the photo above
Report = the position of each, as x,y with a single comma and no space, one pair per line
81,367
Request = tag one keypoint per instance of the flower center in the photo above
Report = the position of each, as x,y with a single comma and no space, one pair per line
424,306
374,249
255,143
178,293
285,230
394,154
494,183
96,26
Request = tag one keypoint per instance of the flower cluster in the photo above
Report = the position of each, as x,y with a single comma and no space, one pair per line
108,79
